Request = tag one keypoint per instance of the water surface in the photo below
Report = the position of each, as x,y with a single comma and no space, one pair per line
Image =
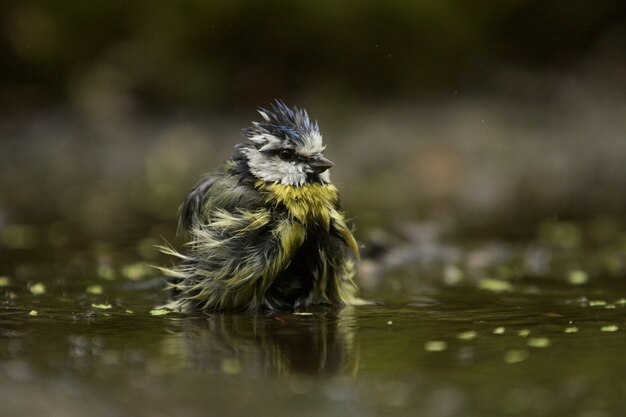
82,335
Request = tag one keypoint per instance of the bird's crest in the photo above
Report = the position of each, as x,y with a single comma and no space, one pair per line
283,125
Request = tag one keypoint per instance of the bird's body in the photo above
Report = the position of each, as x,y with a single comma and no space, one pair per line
267,231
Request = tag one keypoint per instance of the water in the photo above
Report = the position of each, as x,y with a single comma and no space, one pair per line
82,335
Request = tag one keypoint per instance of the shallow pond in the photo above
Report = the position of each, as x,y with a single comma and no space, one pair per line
82,335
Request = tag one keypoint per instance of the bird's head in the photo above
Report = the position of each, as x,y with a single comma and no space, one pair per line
286,147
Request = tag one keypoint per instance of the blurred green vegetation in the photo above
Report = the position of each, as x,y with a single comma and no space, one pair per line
219,54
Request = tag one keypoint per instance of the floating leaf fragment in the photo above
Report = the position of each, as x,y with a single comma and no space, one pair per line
523,332
32,313
539,342
94,289
495,285
516,355
468,335
578,277
159,312
303,313
499,330
103,306
4,281
452,275
231,366
435,346
38,289
597,303
106,272
571,329
136,271
610,328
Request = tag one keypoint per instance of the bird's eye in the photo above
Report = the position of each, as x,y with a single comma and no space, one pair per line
287,154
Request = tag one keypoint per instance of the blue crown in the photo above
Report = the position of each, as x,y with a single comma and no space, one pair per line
283,122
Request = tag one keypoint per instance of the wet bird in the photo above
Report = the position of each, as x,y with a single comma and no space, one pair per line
266,231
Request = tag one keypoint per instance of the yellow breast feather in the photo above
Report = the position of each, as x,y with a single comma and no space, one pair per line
310,202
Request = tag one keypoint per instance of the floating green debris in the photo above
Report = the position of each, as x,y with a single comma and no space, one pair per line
468,335
231,366
523,332
4,281
578,277
597,303
610,306
621,301
495,285
571,329
389,322
610,328
159,312
106,272
452,275
20,236
103,306
33,313
435,346
303,313
129,311
499,330
38,289
94,289
539,342
516,355
136,271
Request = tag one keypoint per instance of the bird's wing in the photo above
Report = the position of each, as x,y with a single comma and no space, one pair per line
190,211
344,258
237,245
340,229
233,260
219,191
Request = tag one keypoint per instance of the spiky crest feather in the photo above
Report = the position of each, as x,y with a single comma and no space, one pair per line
282,122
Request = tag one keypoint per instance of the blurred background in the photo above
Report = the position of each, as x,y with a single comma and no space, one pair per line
480,149
487,117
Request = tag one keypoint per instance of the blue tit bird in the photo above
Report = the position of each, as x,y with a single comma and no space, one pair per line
266,231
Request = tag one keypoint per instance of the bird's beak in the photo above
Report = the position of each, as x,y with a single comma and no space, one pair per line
320,164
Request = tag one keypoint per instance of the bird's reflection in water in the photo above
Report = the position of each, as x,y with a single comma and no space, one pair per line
320,342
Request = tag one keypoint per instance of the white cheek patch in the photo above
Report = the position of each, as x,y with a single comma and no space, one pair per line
274,169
